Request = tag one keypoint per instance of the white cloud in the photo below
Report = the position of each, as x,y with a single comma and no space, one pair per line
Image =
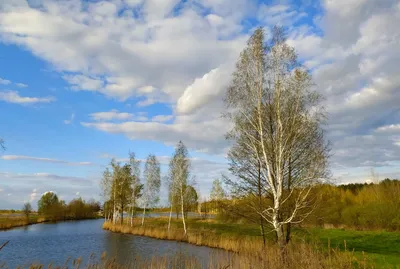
117,116
111,115
208,88
119,55
40,159
184,57
14,97
4,81
202,137
21,85
162,118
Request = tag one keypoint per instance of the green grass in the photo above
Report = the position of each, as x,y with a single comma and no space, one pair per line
381,247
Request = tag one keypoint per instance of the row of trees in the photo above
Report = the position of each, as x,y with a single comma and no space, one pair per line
52,208
123,191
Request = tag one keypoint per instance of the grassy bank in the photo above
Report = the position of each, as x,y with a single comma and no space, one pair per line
9,222
244,240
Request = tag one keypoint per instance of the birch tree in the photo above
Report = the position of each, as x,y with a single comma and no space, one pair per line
152,175
179,172
136,186
278,116
105,185
217,193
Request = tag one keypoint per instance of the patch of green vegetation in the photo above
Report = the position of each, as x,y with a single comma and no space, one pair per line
381,247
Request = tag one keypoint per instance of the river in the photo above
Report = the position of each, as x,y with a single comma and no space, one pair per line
56,242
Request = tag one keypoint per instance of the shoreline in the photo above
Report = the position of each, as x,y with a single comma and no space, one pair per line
206,238
18,223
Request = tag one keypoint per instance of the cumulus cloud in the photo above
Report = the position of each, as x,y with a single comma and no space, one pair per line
41,159
15,98
105,48
182,55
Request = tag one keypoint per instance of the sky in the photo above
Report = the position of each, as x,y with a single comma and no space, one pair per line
82,82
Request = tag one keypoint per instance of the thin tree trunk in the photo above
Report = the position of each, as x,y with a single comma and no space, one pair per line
144,212
132,210
122,214
260,202
289,226
262,230
114,209
183,215
170,216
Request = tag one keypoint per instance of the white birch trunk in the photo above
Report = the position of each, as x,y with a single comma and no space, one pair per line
144,212
182,209
170,216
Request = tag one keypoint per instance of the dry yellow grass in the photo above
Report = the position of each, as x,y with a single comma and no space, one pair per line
12,222
249,251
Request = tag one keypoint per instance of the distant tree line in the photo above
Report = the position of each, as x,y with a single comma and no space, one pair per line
53,208
356,205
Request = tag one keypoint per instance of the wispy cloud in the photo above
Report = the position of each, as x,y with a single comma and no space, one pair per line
118,116
40,159
4,81
15,98
21,85
71,119
162,118
39,177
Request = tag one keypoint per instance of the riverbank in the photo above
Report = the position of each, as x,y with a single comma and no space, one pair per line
7,222
246,242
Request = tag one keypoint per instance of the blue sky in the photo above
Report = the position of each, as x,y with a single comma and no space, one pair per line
84,81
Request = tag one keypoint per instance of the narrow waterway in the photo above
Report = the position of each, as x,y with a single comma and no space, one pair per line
56,242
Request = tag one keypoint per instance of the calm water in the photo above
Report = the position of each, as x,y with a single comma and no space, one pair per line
45,243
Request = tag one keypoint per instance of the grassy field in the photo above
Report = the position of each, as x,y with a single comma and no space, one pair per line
382,249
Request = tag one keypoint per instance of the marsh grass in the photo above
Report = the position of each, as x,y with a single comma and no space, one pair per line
9,222
248,251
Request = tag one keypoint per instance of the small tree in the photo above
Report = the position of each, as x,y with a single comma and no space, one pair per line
217,193
136,187
27,209
106,185
191,199
152,175
179,170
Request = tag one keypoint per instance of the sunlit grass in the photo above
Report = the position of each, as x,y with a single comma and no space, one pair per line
248,246
8,222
